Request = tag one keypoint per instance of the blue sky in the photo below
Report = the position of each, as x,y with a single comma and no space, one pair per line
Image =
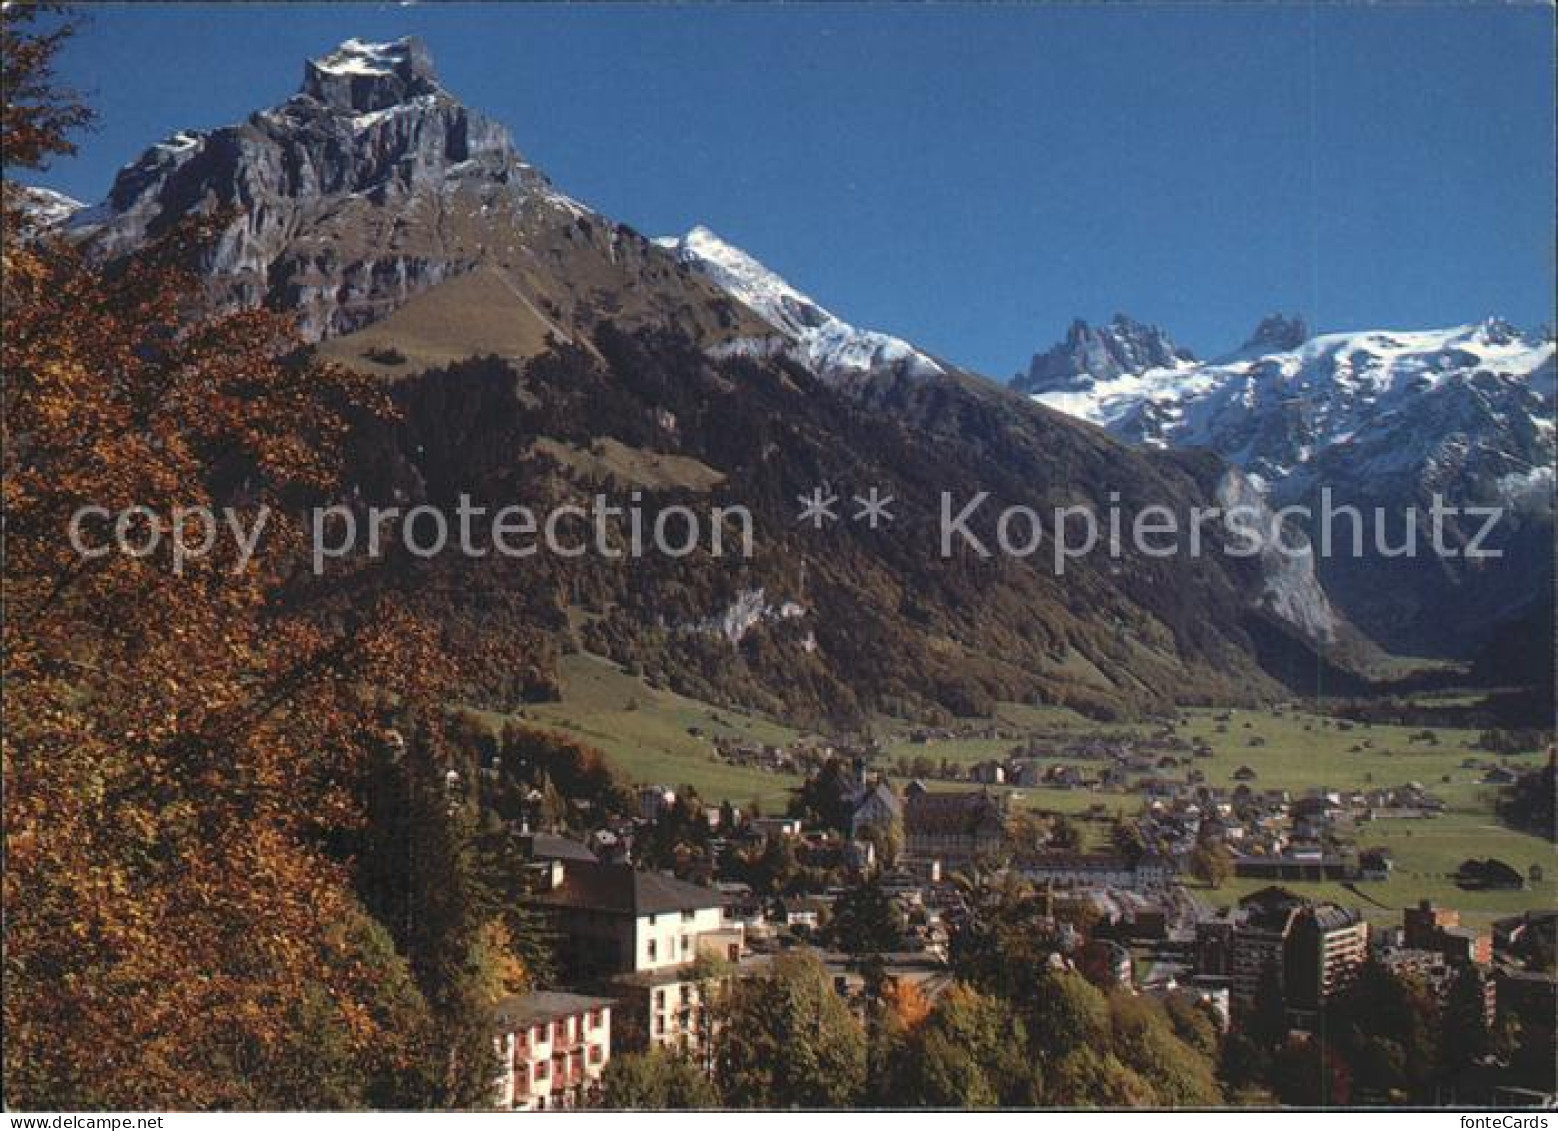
973,177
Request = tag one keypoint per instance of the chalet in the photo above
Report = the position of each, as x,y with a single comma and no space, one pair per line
1528,935
1375,864
988,773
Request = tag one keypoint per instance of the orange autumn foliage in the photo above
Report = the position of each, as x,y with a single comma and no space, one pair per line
906,1004
178,750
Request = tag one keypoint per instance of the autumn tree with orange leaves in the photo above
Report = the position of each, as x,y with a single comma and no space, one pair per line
185,743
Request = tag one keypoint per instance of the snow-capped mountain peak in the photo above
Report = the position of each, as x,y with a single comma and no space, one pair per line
44,208
366,77
1093,354
359,57
821,340
1369,419
748,280
1393,402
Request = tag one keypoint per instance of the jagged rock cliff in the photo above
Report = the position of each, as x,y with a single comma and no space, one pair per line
373,184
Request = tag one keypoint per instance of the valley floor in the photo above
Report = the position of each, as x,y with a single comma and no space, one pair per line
657,736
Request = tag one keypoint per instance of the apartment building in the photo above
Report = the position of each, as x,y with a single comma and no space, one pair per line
553,1048
636,937
1315,948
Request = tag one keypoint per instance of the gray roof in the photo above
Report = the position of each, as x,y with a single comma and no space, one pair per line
547,846
623,889
1330,917
523,1010
954,814
883,792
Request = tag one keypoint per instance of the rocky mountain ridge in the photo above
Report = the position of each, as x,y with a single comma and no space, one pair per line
540,347
1385,421
373,185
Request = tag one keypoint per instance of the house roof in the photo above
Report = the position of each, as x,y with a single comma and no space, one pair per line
882,792
547,846
1081,861
523,1010
1271,908
623,889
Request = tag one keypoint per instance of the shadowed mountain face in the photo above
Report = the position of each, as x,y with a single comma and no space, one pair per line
543,352
829,624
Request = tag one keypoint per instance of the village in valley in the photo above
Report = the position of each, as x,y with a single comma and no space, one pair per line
1181,859
463,653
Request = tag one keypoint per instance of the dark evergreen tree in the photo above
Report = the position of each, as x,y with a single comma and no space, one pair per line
866,920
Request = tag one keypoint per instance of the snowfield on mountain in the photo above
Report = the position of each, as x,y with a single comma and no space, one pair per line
822,341
1382,403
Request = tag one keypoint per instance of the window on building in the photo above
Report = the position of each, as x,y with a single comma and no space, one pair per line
651,950
560,1030
538,1034
659,999
687,916
596,1054
686,944
541,1068
595,1019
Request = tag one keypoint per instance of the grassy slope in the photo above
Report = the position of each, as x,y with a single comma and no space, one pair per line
645,732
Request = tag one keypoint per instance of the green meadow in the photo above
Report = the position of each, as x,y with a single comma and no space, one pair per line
657,736
649,733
